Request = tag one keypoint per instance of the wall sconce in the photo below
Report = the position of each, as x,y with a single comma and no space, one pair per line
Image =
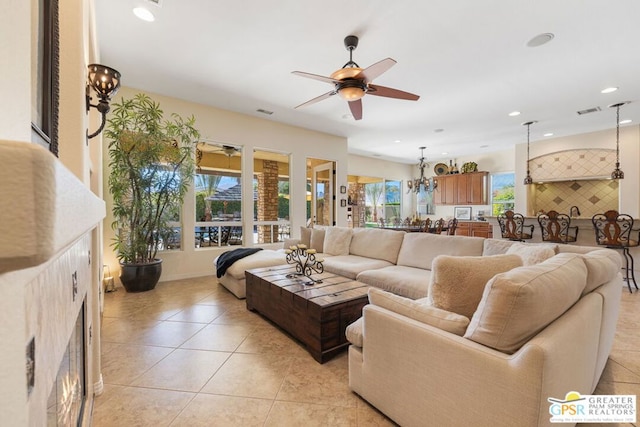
527,179
107,279
105,81
617,173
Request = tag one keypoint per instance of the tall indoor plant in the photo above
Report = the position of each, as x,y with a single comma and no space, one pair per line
151,167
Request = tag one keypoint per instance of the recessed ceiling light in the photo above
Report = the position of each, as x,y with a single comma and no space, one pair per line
444,153
397,141
514,113
540,39
626,121
609,90
144,14
548,134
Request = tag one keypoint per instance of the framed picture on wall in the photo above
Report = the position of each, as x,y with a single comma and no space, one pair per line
462,213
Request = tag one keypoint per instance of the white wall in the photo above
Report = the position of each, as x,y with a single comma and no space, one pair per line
378,168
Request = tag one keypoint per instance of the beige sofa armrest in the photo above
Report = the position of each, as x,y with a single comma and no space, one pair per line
415,372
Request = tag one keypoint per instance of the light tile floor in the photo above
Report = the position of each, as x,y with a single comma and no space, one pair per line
189,353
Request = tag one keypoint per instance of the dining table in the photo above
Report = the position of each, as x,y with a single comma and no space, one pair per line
413,229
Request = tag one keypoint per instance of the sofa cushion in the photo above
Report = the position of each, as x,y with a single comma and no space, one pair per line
408,282
354,332
317,239
457,283
337,240
518,304
496,246
532,254
305,236
603,265
376,243
351,265
420,311
420,249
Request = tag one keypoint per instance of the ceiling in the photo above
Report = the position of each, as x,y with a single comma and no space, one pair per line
467,59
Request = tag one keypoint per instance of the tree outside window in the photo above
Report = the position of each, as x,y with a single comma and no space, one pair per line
502,192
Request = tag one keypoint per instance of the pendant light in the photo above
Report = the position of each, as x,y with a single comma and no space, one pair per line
527,179
617,173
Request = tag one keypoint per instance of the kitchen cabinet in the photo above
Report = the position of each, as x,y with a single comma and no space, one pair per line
474,229
462,189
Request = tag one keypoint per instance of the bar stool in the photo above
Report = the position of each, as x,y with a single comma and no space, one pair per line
556,227
512,226
613,230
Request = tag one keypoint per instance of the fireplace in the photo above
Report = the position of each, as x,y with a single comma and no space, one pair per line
66,401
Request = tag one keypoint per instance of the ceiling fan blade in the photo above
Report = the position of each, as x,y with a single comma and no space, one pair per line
356,109
317,98
373,71
391,93
315,77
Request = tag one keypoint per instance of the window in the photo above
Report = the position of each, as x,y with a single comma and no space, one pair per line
271,201
502,192
218,189
392,199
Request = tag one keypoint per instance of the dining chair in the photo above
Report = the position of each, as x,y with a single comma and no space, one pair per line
613,230
426,225
512,226
556,227
438,225
452,224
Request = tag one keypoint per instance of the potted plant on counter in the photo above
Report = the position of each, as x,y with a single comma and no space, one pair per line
151,165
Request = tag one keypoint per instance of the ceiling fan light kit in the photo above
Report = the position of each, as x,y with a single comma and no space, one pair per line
352,82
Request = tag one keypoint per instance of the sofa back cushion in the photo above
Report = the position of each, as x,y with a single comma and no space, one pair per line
420,249
457,283
376,243
533,254
305,236
420,311
317,239
518,304
337,240
496,246
603,265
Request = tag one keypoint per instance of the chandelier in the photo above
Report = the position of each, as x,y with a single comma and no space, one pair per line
424,182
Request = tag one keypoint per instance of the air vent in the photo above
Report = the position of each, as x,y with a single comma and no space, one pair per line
263,111
588,110
155,2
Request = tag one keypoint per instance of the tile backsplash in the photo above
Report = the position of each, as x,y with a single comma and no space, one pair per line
573,164
590,196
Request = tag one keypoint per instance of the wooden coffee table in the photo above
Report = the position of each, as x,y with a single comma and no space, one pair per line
316,315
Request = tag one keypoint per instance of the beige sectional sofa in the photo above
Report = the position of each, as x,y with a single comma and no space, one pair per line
464,330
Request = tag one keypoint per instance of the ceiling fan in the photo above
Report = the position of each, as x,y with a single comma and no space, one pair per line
352,82
203,147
